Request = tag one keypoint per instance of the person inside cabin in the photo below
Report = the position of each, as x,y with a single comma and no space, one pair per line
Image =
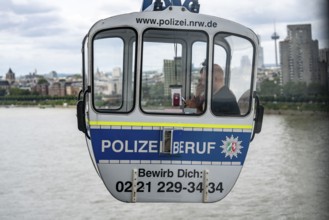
244,101
223,100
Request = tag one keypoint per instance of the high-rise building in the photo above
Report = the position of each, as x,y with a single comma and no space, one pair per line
299,55
324,67
260,60
172,70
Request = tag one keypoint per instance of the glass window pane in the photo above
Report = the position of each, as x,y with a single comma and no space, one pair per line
232,78
171,68
162,68
108,60
113,77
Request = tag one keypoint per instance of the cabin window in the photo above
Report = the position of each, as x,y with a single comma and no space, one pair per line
232,75
171,63
113,70
85,64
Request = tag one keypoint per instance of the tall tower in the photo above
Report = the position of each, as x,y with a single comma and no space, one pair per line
275,37
10,76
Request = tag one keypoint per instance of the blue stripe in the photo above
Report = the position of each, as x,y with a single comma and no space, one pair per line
206,145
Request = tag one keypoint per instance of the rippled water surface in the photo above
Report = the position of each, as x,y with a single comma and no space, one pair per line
46,173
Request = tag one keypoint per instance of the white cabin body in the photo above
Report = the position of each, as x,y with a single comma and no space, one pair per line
147,141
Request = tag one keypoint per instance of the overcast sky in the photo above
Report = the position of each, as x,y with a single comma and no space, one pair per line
47,35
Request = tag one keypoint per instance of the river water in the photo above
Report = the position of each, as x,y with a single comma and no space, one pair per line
46,173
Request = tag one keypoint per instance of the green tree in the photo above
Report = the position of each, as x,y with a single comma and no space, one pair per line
293,89
316,89
2,92
269,88
157,90
42,81
18,92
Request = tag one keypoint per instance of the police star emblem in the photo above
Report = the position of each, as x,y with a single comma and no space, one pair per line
231,147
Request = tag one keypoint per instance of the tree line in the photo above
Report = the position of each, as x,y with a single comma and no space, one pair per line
269,90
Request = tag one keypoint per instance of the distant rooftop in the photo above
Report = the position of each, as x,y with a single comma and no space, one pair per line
4,83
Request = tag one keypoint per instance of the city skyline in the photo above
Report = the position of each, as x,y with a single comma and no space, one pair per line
47,35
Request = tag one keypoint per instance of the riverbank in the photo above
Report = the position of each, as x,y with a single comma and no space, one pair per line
64,105
295,112
267,111
26,101
296,108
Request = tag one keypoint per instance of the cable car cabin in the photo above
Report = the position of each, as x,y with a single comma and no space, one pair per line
168,104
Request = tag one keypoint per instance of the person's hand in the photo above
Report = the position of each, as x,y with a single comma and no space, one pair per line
191,103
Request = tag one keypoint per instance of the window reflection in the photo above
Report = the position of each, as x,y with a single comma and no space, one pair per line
171,70
234,55
113,73
162,69
108,73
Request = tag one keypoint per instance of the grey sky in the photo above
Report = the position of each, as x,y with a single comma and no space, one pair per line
47,35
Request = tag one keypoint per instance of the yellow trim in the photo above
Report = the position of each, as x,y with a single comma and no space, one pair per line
166,124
